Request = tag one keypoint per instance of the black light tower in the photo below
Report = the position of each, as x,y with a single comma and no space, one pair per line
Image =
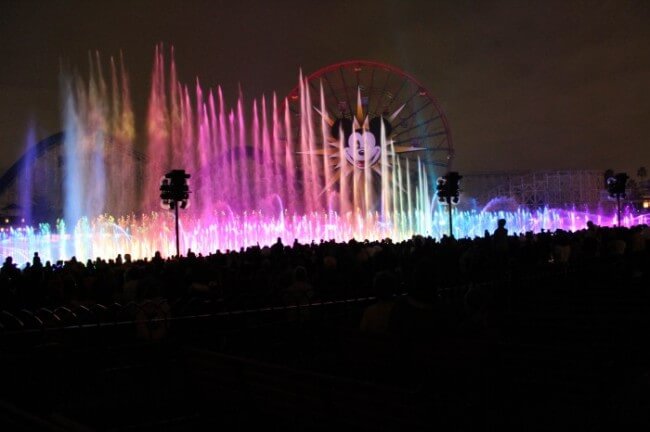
174,193
616,187
448,192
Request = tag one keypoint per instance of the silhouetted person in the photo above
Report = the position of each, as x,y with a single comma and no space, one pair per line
36,261
501,231
9,270
500,247
277,247
591,227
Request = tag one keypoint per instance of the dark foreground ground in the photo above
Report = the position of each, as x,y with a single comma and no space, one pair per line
554,354
538,332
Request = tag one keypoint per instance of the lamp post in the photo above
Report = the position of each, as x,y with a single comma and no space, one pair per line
616,187
448,189
175,193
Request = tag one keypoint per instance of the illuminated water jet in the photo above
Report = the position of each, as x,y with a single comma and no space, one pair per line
301,169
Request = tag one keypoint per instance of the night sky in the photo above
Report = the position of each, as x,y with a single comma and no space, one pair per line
525,85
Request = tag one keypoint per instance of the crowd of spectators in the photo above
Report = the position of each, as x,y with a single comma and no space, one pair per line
303,273
438,297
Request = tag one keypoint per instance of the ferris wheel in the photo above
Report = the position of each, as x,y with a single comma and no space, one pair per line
356,97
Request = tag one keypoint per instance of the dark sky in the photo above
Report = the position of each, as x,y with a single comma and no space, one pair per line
525,85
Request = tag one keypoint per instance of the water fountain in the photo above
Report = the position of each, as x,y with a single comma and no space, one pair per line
287,168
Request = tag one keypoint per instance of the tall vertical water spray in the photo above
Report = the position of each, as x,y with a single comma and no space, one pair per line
99,159
310,166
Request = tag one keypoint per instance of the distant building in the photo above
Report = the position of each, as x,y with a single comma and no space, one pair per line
535,189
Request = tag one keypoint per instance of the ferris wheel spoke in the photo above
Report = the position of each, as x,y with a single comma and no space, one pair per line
415,138
332,92
412,148
369,91
434,163
317,92
407,102
356,75
396,95
409,149
383,91
345,89
424,123
414,113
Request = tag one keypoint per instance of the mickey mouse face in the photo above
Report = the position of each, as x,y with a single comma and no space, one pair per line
362,147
